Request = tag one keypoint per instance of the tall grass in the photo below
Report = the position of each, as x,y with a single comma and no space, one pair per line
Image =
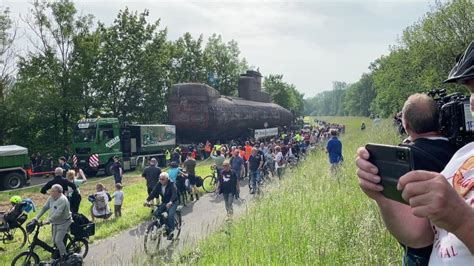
310,217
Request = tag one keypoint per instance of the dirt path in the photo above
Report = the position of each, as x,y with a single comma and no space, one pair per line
200,218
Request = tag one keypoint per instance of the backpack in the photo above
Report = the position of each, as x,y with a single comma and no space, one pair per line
80,219
100,202
199,181
29,205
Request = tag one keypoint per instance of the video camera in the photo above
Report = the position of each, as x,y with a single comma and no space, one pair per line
455,118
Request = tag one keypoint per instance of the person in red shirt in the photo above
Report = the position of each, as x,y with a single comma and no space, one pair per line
248,152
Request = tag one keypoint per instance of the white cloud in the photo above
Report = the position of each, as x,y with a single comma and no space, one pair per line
311,42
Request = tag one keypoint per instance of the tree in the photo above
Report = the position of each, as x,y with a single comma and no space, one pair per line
423,56
284,94
7,53
125,60
44,81
328,102
359,96
223,65
188,59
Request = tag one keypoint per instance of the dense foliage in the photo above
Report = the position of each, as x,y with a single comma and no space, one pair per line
284,94
419,62
78,67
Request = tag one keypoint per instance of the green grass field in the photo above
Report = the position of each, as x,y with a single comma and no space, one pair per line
310,217
133,212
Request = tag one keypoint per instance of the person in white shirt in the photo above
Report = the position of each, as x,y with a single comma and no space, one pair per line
118,197
279,162
442,204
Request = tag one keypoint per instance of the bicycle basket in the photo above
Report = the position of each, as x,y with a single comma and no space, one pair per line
83,231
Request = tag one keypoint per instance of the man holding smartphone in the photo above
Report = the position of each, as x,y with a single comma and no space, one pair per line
441,210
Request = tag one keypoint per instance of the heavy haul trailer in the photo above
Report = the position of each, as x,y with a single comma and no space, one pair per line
97,140
14,166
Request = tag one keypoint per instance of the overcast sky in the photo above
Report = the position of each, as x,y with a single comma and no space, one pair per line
311,43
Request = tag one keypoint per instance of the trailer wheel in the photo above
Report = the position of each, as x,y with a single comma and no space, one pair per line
13,181
108,168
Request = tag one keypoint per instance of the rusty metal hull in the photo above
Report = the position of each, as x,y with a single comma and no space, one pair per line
199,113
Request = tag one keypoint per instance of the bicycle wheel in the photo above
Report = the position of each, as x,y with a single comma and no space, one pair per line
26,258
209,184
15,238
79,246
153,238
177,225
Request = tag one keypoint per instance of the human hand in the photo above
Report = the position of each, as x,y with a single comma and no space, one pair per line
368,178
431,196
168,205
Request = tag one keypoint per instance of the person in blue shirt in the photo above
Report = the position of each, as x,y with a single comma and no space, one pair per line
334,149
173,171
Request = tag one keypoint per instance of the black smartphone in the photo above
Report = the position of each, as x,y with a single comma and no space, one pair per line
393,162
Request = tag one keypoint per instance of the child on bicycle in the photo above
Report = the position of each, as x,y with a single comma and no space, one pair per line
15,211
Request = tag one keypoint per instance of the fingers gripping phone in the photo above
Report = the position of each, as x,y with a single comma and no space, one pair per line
393,162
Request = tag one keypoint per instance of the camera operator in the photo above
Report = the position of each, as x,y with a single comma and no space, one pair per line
441,209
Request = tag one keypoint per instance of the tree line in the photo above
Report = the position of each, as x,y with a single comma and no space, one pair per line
79,67
420,60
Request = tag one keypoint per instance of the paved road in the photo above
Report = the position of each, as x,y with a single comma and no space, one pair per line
199,219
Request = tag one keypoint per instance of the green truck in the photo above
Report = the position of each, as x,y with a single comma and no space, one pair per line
97,140
15,168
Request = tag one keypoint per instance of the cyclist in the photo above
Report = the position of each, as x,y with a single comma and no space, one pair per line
218,160
169,198
59,217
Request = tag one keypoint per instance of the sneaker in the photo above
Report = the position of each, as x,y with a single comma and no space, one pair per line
192,197
252,191
197,197
170,236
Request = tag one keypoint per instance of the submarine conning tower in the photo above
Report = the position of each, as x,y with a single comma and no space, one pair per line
250,87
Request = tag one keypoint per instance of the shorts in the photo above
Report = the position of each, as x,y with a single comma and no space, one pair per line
192,179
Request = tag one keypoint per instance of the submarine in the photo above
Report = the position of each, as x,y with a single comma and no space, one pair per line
200,113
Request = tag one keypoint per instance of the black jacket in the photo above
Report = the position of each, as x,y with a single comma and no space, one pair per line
431,154
171,193
151,174
58,180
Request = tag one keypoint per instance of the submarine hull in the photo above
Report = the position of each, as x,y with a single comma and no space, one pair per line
200,113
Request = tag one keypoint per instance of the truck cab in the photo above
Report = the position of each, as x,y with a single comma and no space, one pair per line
97,140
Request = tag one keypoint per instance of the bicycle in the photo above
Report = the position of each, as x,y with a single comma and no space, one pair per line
292,162
156,230
12,233
210,182
31,258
